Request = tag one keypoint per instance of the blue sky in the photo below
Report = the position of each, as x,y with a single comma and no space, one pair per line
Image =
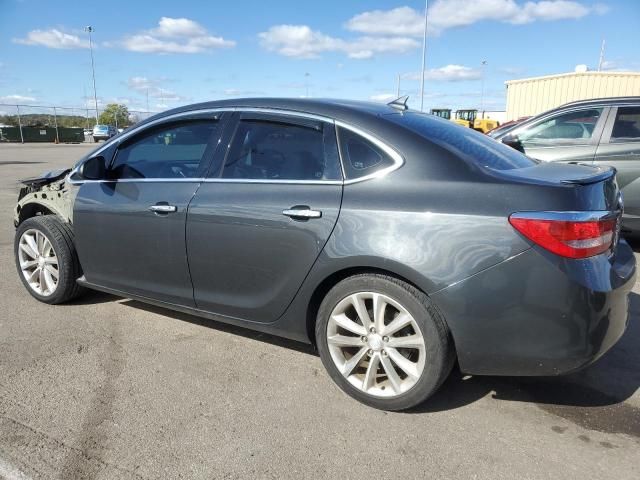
188,51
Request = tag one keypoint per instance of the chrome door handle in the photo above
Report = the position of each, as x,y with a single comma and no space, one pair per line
163,208
302,213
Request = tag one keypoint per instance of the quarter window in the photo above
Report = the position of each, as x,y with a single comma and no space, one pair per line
360,156
627,124
274,150
572,127
175,151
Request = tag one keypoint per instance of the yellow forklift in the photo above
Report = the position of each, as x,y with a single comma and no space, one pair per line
441,112
469,118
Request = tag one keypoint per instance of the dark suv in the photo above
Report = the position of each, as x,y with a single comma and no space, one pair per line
603,131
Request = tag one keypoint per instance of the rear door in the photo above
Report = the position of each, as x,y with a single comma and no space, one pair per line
259,222
568,136
620,148
130,228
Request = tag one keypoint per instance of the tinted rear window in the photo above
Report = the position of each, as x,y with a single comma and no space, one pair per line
470,145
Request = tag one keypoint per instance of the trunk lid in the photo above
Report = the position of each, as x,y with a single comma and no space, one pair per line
575,187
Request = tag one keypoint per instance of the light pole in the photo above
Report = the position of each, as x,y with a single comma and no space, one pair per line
306,83
484,65
601,61
89,30
424,53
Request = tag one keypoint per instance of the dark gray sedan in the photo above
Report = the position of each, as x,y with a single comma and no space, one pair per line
396,242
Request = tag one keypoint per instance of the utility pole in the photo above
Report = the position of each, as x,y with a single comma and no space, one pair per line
89,30
424,53
84,97
601,56
484,65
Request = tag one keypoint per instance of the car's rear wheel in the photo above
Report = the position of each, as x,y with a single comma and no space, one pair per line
383,341
46,259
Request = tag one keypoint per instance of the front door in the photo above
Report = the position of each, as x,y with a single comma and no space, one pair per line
255,229
570,136
130,228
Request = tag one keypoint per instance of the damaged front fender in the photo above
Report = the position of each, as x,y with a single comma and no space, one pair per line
50,193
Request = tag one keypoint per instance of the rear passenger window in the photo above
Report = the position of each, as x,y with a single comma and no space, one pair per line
170,151
271,150
360,156
627,124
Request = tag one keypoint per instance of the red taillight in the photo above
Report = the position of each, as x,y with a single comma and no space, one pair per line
568,238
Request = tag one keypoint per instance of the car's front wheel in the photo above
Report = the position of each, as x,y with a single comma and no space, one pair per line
46,259
383,342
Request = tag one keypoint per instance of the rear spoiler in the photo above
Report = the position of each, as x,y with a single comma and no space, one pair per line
606,174
557,173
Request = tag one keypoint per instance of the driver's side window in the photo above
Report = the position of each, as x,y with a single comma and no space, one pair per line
575,127
170,151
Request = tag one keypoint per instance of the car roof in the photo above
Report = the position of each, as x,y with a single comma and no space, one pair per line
346,110
607,101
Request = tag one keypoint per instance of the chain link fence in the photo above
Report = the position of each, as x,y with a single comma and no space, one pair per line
39,123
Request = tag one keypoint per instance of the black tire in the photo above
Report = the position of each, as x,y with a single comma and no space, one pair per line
60,235
440,352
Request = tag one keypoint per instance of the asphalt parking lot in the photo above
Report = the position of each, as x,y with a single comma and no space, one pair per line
109,388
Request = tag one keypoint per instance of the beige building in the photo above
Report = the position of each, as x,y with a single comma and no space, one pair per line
530,96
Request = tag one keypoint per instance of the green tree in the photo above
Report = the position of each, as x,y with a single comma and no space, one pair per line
115,114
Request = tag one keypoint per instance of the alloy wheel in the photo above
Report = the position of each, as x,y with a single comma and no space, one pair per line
38,262
376,344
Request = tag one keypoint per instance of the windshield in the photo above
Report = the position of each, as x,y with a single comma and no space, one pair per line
466,115
470,145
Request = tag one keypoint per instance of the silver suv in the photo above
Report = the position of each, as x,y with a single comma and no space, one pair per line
603,131
103,132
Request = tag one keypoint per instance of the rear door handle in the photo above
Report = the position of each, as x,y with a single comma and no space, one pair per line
302,213
163,208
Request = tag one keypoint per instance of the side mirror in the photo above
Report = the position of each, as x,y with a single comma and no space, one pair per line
514,142
95,168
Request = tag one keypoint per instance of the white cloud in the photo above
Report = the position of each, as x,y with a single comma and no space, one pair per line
17,99
383,97
512,70
397,30
388,22
445,14
301,41
179,27
175,35
448,73
53,38
144,86
235,92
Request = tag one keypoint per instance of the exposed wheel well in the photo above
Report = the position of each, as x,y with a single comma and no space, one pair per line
329,282
31,210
